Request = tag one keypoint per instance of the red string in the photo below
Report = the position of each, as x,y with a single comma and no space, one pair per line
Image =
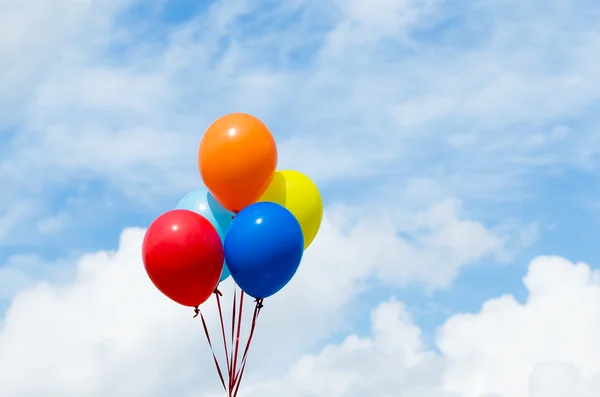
218,295
238,377
211,349
235,373
231,362
237,345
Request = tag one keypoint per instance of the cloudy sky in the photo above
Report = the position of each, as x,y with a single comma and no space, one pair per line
456,144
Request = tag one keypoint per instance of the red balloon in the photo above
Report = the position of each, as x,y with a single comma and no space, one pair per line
183,255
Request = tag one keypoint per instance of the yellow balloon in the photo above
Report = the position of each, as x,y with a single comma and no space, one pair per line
296,192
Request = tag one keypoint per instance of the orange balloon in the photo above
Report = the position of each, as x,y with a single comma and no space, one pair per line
237,159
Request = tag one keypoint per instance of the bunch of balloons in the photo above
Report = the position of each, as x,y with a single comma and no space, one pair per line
250,221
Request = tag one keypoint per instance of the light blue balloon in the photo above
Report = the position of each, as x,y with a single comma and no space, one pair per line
203,203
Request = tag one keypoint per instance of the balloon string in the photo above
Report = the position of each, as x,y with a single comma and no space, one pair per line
218,295
230,368
238,377
197,311
237,344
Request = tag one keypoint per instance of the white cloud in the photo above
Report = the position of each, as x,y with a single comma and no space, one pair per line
111,332
394,360
35,38
106,330
547,346
109,324
374,99
497,350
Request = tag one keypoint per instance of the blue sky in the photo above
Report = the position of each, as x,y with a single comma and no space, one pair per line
453,141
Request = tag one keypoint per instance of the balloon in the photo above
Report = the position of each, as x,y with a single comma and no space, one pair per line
202,202
263,248
183,256
225,273
237,159
296,192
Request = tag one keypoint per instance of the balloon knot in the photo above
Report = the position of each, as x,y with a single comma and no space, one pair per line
196,312
217,292
259,303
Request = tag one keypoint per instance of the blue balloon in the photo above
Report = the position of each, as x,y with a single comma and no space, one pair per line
203,203
263,248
